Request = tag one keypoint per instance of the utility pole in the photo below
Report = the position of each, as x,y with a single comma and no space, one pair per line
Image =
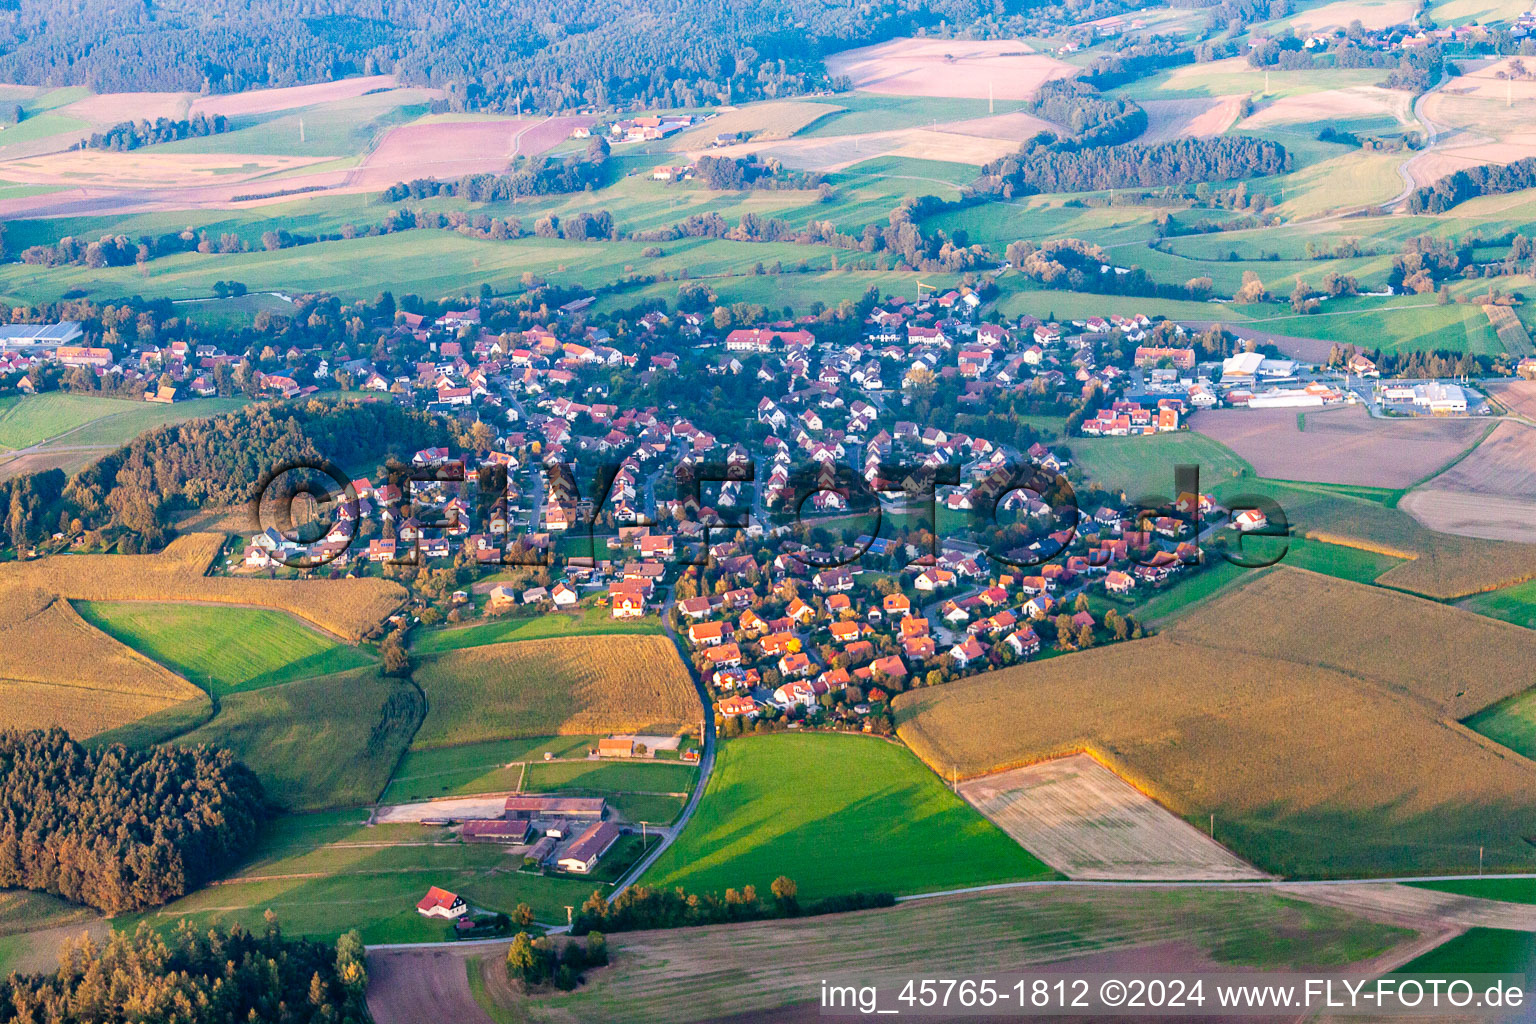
301,129
1479,861
568,921
991,109
1213,826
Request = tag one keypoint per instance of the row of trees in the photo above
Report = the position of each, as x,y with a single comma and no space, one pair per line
644,906
211,976
120,829
574,172
133,134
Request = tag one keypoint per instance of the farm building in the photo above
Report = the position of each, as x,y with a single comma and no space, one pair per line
496,830
528,808
615,746
594,841
441,903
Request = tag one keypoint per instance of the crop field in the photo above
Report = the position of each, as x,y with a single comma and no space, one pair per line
598,777
26,420
594,685
347,608
494,767
1490,494
838,152
1086,822
1343,445
60,670
1511,722
588,622
1192,118
223,649
1438,565
1373,14
1518,397
1006,69
1143,466
337,128
1235,75
1478,951
1309,715
774,119
1515,604
326,742
1511,332
264,101
674,974
838,814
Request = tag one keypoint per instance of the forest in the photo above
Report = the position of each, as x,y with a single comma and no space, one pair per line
120,829
1038,167
502,55
212,462
215,976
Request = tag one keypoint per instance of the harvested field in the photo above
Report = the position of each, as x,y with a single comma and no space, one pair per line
1086,822
266,101
675,975
1193,118
1004,69
1332,105
441,148
1342,445
1015,127
1516,340
1373,14
147,169
1490,494
456,809
347,608
584,686
60,670
775,119
1519,397
111,108
1309,715
836,152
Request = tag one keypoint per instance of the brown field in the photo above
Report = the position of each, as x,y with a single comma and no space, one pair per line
1004,69
345,608
1378,14
835,152
774,967
1309,715
1342,445
266,101
563,686
1519,397
147,169
1481,120
1490,494
114,107
1516,340
61,671
1332,104
1193,118
763,122
1086,822
440,148
1014,127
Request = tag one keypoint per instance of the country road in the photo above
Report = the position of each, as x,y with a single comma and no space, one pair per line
1431,139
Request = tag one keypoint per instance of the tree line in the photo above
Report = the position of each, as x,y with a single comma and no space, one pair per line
213,976
574,172
643,906
120,829
1470,182
127,135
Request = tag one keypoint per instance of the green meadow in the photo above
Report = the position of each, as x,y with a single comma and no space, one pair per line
223,649
838,814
